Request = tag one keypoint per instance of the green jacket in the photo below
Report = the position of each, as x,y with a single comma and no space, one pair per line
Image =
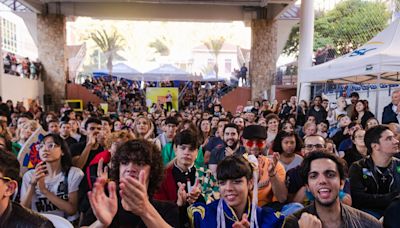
168,154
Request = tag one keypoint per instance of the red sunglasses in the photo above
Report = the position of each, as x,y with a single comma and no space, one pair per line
259,143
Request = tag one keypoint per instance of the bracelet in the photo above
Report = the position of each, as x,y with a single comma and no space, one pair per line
272,174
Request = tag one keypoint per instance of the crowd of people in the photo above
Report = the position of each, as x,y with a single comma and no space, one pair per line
269,164
126,95
22,67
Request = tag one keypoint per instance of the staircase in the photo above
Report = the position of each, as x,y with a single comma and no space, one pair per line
75,91
236,97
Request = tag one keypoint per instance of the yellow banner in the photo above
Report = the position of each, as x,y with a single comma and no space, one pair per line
162,96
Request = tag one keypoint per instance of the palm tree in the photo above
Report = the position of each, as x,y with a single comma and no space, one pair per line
109,44
161,46
214,46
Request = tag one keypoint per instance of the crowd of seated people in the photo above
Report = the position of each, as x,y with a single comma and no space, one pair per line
124,95
22,67
267,165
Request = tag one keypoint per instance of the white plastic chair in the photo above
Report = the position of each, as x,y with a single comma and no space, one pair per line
58,222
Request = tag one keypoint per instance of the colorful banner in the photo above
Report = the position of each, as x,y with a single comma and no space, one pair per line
160,96
28,156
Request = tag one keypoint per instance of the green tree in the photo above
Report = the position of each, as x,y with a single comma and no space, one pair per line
109,43
215,46
160,45
350,23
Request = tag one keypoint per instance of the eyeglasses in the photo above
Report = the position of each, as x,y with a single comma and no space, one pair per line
316,146
259,143
48,146
6,179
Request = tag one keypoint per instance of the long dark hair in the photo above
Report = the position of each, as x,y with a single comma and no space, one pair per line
277,145
66,160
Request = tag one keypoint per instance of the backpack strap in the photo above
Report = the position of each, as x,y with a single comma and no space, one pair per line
66,188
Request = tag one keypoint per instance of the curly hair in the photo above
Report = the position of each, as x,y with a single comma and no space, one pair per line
140,152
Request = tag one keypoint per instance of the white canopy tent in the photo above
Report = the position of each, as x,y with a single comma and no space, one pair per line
377,61
168,72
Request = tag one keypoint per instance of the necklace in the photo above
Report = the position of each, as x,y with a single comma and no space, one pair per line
383,178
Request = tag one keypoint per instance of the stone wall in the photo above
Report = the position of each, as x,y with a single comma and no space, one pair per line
51,38
263,57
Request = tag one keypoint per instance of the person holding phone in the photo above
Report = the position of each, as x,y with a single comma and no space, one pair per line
52,187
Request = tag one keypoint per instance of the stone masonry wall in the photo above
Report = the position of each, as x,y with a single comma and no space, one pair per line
52,45
263,57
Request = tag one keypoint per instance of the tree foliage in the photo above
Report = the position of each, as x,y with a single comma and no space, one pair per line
214,45
160,45
350,24
109,43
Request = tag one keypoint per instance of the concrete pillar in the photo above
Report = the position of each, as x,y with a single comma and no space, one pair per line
306,47
263,57
51,38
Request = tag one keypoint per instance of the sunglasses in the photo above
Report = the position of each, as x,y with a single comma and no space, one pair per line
259,143
48,146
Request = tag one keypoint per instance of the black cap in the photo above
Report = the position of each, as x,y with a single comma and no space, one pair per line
255,132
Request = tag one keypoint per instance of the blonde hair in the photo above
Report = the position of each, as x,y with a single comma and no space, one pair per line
28,124
123,134
135,123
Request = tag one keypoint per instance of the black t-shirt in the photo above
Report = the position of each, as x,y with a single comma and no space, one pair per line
70,141
77,149
294,181
167,210
384,179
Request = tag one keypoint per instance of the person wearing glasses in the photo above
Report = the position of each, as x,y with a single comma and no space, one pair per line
271,185
358,150
13,214
52,187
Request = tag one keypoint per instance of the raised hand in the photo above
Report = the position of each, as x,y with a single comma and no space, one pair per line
194,193
182,194
104,207
272,164
103,173
308,220
40,173
244,223
134,194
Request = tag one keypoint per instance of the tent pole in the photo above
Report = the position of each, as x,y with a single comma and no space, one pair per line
377,95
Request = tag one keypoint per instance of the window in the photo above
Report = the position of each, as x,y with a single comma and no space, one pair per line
9,33
228,66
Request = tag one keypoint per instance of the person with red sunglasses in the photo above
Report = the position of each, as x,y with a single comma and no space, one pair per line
272,190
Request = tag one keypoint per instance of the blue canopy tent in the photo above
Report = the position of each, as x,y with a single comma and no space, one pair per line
120,70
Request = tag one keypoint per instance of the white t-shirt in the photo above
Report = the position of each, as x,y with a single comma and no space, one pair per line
55,185
296,161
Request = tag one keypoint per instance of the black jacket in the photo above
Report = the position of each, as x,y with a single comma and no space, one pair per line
319,115
19,217
365,188
388,115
